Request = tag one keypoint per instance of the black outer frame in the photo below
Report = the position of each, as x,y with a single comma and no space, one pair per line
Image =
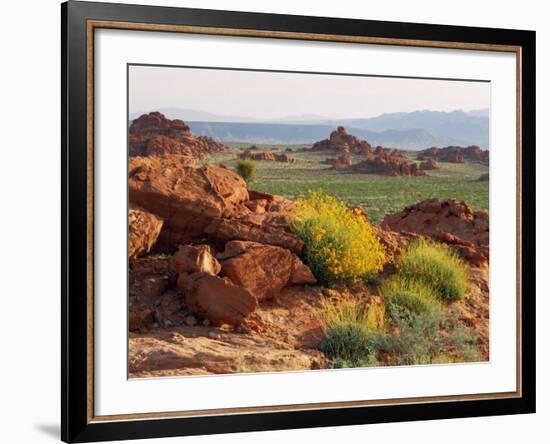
74,423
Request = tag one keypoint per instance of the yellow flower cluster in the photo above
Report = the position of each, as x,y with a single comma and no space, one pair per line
340,243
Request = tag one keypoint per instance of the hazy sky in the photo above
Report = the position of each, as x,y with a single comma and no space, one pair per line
271,95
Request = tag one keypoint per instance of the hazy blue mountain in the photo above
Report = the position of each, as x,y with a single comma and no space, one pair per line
472,127
281,133
407,130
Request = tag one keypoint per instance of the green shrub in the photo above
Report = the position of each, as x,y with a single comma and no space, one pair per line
412,295
247,170
340,245
348,325
432,337
435,266
348,343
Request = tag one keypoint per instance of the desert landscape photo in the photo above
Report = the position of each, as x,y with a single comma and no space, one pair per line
285,221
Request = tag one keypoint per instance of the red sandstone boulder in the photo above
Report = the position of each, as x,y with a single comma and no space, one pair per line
394,243
450,221
263,269
143,231
218,299
187,198
194,258
224,230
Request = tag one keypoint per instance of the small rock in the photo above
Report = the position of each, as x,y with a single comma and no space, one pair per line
213,335
190,321
168,323
156,325
206,323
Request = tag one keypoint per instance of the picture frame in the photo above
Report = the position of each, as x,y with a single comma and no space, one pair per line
79,179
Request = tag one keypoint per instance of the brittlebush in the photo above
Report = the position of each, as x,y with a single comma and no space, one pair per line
340,245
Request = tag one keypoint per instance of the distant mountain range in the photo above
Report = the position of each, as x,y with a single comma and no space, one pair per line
405,130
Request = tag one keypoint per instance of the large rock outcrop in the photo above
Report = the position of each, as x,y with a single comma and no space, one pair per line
455,154
143,231
450,221
187,198
154,134
340,140
263,269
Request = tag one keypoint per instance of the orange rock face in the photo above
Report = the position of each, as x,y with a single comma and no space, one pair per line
450,221
217,298
187,198
154,134
340,140
263,269
143,231
225,230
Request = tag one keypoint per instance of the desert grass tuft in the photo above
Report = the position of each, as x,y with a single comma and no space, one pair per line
434,265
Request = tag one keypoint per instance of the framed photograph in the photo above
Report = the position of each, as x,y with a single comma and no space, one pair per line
275,221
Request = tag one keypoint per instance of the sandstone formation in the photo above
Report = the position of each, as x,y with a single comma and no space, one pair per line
455,154
388,164
153,134
340,140
187,198
143,231
263,269
429,164
264,155
342,162
450,221
216,298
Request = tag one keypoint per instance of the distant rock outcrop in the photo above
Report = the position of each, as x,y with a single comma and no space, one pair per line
342,162
428,165
339,140
388,164
455,154
264,155
154,135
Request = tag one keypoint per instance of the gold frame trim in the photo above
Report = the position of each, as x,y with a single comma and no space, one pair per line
98,24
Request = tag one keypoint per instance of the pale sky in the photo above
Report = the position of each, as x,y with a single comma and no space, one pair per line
274,95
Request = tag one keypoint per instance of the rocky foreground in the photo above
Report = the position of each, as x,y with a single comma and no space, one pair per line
216,279
217,284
